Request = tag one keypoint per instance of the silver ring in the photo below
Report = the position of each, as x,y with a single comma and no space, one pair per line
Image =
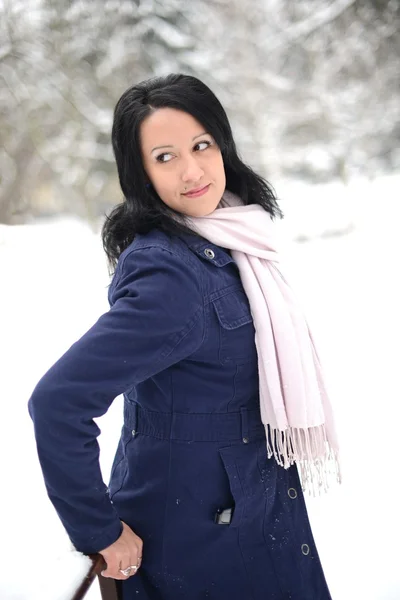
128,570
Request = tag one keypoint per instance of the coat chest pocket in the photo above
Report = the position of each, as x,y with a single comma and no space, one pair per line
236,336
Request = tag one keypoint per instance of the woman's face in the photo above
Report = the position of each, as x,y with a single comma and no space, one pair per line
182,161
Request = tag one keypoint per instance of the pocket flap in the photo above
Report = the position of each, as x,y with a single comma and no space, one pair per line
233,310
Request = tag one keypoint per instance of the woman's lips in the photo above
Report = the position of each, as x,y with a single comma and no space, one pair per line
198,192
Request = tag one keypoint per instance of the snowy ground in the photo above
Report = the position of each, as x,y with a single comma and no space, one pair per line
54,282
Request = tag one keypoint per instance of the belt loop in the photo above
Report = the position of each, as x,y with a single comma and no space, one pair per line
245,425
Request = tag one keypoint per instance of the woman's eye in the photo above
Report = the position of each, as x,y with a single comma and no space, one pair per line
167,156
162,157
204,144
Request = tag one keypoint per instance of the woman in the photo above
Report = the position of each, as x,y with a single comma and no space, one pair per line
204,499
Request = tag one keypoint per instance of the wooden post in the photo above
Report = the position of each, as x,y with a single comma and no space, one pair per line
108,586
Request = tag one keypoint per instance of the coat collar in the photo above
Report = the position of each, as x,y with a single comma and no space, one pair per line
200,246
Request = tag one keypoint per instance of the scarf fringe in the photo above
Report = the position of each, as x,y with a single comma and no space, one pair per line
309,448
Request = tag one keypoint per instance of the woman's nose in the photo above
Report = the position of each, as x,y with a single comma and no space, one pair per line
192,170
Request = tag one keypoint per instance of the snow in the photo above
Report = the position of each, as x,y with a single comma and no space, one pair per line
55,286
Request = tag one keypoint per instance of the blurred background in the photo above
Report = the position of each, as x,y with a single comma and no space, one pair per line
311,88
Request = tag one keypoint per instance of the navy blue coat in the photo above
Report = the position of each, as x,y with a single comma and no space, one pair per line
191,477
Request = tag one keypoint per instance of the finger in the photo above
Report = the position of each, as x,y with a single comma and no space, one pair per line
139,553
113,570
114,574
130,570
138,562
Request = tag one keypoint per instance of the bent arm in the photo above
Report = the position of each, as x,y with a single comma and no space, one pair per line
156,320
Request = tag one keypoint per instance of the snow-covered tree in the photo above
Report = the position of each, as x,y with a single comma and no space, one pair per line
311,87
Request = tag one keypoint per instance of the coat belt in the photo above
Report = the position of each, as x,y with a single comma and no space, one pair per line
244,425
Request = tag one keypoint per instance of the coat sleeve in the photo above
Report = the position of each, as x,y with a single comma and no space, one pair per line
156,320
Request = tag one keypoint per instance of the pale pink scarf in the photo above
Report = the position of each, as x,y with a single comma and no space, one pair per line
295,407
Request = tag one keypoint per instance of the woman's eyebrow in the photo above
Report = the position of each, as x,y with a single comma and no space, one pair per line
170,146
200,134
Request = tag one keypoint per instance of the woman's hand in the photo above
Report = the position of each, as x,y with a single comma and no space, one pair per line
124,552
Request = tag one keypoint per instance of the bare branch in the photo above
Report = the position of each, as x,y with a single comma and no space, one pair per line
5,51
304,28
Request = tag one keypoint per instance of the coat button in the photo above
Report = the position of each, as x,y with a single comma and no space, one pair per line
209,253
133,432
245,440
305,548
292,493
